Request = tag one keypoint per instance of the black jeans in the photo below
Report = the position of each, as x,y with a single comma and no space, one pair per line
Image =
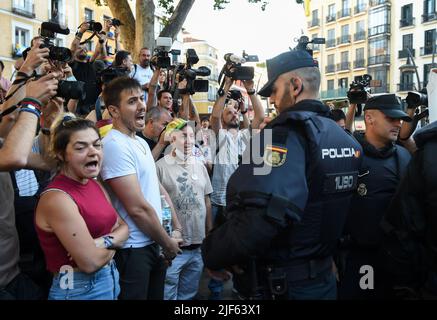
21,288
142,273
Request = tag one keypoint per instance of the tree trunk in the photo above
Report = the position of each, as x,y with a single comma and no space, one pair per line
145,25
177,19
120,9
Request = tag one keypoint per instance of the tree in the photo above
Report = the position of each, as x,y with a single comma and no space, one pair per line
140,32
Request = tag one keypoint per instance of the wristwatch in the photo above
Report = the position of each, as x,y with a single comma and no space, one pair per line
251,92
107,240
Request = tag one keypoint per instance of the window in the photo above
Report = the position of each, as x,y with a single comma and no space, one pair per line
359,54
407,78
89,14
345,56
429,6
361,6
315,46
407,12
345,5
331,13
407,41
426,70
24,7
315,15
359,26
379,48
330,85
345,30
430,37
379,21
330,42
331,59
22,37
343,83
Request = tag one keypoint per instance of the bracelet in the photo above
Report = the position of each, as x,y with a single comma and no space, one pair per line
243,112
30,110
101,41
79,35
251,92
107,240
33,101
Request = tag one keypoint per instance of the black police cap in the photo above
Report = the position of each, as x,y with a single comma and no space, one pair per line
389,104
285,62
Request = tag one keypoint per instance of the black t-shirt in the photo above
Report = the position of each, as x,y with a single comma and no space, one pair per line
151,143
85,71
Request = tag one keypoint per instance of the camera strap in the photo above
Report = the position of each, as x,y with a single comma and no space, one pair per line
86,40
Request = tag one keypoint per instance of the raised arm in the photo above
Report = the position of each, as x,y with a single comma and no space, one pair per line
219,104
258,109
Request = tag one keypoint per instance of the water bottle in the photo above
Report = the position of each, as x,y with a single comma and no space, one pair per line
166,215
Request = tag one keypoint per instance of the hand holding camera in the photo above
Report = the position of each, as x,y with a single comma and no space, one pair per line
34,58
43,88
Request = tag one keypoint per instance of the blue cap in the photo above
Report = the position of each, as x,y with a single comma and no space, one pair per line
389,104
285,62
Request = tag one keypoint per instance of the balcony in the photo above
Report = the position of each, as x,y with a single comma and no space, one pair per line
406,86
314,23
381,89
330,18
427,50
410,21
344,39
334,94
26,8
404,53
359,9
361,63
343,13
330,68
343,66
430,16
361,35
378,59
330,43
383,28
374,3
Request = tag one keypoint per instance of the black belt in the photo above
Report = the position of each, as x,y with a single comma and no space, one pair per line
191,247
310,269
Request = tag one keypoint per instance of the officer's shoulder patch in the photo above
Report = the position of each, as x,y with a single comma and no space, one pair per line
274,155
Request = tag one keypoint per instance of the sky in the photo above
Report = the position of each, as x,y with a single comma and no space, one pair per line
244,26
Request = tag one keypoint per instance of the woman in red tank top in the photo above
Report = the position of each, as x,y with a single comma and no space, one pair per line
76,224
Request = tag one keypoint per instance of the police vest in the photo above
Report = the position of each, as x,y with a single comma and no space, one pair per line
306,171
379,177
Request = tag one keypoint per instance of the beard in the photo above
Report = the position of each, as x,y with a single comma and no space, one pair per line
232,125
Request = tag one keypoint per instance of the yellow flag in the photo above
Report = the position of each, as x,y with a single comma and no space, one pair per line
307,7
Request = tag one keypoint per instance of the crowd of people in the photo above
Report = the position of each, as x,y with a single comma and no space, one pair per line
127,193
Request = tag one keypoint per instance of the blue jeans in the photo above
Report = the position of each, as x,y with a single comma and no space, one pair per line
183,276
100,285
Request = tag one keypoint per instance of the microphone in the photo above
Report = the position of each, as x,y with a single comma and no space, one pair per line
54,27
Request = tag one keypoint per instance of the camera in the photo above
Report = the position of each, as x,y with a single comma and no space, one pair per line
48,33
186,71
234,94
161,58
115,22
94,26
239,72
416,99
359,88
71,90
110,73
304,41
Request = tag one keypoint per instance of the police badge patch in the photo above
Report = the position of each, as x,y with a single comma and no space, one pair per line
362,190
275,156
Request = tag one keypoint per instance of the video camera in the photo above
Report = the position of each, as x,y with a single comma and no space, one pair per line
95,26
186,71
69,89
110,73
416,99
116,22
359,88
161,58
48,33
234,94
233,67
304,41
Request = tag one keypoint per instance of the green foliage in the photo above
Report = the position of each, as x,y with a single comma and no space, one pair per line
220,4
101,3
167,5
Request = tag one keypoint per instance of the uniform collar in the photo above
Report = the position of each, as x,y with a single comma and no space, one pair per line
370,149
309,105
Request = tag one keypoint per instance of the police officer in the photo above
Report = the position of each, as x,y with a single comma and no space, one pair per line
286,212
384,164
410,224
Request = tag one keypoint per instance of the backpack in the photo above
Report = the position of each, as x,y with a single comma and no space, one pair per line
404,253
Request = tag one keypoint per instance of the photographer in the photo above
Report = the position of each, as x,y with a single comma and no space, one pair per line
142,71
13,155
86,70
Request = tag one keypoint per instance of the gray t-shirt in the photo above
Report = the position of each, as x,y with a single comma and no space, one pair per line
187,185
9,245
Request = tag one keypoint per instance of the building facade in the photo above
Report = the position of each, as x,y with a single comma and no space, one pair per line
416,24
20,21
343,24
208,57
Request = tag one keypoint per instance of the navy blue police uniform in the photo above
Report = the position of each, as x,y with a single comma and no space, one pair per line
380,174
286,208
